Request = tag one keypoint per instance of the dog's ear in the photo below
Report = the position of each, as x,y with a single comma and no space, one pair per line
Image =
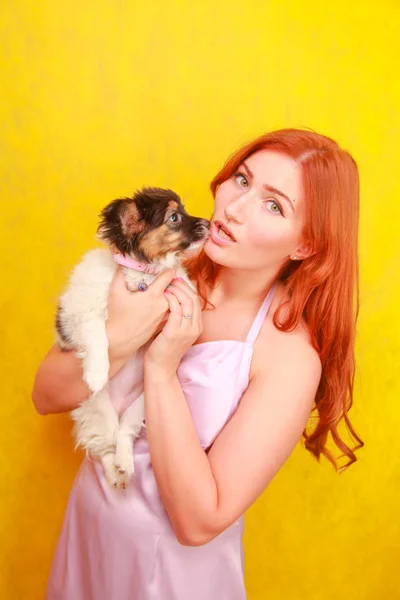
120,218
131,218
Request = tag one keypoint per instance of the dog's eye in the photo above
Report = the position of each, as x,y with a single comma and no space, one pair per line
175,218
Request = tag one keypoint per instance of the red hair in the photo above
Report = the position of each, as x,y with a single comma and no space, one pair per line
321,289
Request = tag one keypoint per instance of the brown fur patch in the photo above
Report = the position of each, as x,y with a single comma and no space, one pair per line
173,205
130,219
160,241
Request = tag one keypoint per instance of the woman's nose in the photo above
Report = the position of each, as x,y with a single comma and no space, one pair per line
235,209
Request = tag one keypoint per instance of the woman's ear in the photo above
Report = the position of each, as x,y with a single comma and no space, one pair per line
304,251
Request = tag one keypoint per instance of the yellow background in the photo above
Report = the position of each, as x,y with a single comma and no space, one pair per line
100,97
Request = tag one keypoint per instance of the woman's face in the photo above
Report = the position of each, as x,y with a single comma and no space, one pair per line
261,210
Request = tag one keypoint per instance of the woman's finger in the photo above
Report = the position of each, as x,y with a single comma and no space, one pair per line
175,311
185,289
184,286
184,300
197,302
162,281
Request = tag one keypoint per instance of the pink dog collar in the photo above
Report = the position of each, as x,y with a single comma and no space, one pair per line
131,263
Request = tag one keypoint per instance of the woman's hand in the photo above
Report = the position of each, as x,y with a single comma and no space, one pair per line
134,317
183,327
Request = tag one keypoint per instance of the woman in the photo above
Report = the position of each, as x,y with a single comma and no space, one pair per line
229,389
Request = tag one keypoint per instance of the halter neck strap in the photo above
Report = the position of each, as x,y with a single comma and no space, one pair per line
260,317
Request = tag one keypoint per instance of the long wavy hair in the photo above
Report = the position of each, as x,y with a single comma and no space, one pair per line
322,289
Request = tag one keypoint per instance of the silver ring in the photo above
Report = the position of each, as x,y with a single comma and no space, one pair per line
187,316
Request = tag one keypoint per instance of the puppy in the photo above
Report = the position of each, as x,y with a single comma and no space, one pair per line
145,234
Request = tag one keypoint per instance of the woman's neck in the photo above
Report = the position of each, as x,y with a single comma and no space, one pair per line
241,285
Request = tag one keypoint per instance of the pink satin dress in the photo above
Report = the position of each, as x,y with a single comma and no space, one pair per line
121,545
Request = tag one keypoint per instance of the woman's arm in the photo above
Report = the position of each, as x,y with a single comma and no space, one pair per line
204,493
58,385
133,318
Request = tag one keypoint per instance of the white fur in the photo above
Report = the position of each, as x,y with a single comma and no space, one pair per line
83,313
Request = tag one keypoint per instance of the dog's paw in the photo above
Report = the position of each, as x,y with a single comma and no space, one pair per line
110,471
95,379
124,466
120,479
95,368
119,471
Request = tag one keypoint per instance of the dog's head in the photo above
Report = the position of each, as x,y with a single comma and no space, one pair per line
150,225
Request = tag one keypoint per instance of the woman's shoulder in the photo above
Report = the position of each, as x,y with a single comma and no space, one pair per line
274,346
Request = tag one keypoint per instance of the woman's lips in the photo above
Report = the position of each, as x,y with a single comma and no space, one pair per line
221,239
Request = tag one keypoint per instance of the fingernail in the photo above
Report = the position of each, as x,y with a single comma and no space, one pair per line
178,279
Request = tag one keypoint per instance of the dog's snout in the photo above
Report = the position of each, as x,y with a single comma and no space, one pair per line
201,228
204,223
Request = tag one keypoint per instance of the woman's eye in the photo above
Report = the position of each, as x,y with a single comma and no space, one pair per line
174,218
274,207
241,180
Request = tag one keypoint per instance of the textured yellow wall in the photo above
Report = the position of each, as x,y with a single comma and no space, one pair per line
99,97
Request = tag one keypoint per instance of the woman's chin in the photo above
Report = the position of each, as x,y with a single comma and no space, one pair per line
210,250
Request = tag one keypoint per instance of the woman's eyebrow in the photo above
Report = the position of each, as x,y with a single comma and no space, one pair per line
246,168
268,187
